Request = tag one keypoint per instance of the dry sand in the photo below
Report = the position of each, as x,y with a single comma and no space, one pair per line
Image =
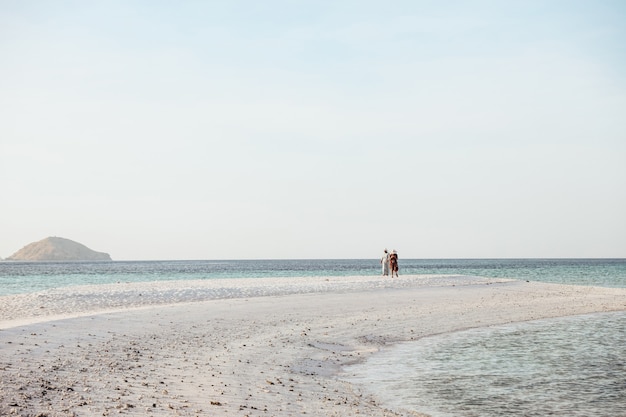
262,347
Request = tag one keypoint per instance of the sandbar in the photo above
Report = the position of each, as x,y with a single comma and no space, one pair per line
243,347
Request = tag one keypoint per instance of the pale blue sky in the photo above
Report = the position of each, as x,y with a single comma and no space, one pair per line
287,129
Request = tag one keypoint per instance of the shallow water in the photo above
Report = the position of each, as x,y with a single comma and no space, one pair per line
27,277
573,366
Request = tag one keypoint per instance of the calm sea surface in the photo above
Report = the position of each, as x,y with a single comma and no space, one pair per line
573,366
24,277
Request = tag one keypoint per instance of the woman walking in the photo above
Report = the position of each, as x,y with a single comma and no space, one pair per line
393,263
384,261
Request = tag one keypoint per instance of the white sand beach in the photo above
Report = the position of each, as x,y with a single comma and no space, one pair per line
242,347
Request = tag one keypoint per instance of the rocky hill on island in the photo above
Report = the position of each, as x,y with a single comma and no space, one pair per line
57,249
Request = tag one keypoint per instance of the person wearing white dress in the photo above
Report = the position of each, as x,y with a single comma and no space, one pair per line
385,263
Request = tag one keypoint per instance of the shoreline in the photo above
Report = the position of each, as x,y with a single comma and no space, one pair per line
77,300
275,347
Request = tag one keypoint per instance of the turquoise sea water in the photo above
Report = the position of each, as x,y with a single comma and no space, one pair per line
25,277
573,366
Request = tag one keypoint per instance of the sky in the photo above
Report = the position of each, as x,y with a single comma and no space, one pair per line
314,129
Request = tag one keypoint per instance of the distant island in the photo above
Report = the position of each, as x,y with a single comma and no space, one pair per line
57,249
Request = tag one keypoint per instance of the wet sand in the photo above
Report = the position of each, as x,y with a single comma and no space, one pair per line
259,347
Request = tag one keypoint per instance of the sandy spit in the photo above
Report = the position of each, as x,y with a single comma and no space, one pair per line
262,347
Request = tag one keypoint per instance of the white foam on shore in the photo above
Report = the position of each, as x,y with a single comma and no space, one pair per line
75,301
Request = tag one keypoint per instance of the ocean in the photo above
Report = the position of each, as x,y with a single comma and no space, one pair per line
573,366
27,277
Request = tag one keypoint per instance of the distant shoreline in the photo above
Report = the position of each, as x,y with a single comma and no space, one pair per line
28,277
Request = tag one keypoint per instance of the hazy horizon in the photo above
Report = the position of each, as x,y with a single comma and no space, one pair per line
280,130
